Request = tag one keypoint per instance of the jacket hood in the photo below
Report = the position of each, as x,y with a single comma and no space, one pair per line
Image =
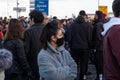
113,21
79,19
5,59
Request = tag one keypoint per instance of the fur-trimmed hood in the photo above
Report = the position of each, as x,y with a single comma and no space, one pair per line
5,59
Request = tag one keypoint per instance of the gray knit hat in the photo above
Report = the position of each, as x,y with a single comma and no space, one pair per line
5,59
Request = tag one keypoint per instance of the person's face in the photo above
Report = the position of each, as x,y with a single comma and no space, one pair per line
31,22
60,25
45,21
64,23
58,39
85,18
96,17
1,27
59,34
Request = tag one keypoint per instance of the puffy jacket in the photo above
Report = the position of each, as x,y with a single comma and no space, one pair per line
20,64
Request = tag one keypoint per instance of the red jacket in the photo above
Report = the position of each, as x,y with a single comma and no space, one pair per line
112,53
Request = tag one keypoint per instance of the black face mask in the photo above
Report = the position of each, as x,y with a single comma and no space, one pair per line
60,41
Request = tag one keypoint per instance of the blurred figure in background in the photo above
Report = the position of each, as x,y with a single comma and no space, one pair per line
80,43
46,19
20,69
98,43
1,33
24,23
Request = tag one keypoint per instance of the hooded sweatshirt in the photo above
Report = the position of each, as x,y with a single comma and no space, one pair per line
111,52
108,25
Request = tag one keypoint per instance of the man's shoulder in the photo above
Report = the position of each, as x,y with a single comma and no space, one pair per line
115,28
34,27
114,31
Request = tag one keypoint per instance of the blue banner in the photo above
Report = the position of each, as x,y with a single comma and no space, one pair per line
42,5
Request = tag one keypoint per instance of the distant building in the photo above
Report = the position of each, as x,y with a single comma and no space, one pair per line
32,5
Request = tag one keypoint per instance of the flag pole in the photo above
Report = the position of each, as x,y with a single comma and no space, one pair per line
98,3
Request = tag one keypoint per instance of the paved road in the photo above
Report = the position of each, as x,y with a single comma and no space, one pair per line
91,69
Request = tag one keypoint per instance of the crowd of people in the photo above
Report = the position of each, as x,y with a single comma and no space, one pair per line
41,48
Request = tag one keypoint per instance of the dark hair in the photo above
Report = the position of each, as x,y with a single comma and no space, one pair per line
37,16
48,31
116,8
99,14
54,17
1,23
62,21
15,30
82,13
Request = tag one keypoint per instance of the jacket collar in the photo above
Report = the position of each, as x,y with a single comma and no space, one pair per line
113,21
58,50
36,24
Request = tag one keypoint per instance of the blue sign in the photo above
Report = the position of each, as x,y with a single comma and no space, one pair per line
42,5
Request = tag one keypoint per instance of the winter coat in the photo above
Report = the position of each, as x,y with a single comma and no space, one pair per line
33,46
20,65
5,61
111,50
81,33
97,38
56,64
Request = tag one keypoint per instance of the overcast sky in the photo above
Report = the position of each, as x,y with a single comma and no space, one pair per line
60,8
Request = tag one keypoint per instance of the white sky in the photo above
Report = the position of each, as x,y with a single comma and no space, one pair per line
60,8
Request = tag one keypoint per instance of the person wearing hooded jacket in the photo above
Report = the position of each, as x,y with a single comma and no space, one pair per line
97,39
111,43
80,43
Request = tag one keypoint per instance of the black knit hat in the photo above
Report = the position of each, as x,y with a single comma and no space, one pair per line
82,13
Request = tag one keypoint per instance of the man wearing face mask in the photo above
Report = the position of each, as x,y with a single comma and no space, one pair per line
54,62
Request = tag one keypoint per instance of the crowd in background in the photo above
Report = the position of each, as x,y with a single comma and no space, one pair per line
43,48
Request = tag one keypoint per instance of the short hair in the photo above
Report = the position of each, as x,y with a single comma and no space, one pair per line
116,8
99,14
82,13
37,16
15,30
48,31
54,17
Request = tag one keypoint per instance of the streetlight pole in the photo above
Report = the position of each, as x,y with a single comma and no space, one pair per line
17,8
98,3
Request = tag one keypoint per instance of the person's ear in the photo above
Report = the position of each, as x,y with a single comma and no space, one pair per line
53,38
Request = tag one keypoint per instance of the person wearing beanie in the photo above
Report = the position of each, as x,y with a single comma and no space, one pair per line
82,13
5,61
